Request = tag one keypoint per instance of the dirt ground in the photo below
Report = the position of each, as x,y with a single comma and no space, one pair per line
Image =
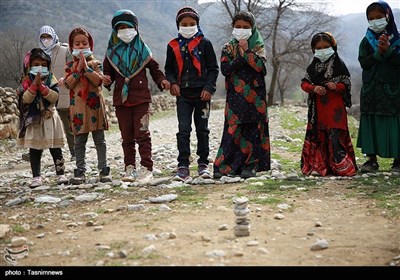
358,231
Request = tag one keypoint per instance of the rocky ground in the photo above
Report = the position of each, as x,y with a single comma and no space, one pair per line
294,220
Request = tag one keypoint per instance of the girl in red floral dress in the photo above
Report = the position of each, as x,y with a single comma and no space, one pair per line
83,77
327,146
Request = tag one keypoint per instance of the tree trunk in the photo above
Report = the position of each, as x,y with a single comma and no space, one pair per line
271,91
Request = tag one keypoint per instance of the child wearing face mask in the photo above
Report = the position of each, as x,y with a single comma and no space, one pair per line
244,148
59,53
126,61
40,125
192,69
379,57
327,147
83,77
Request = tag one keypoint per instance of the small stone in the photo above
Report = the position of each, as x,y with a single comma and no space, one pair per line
321,244
148,250
98,228
123,254
172,235
262,251
4,230
102,247
284,206
65,253
59,231
164,207
310,233
110,254
252,243
279,216
318,224
150,237
215,253
41,235
18,241
238,254
136,207
240,200
223,227
205,238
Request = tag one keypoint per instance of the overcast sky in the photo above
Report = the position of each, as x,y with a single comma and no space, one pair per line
343,7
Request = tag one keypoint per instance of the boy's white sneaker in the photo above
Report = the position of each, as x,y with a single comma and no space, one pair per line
145,176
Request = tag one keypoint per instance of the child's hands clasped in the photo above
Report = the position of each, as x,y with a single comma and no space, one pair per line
320,90
82,64
331,85
383,43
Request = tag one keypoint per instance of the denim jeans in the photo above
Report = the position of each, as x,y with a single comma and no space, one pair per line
186,107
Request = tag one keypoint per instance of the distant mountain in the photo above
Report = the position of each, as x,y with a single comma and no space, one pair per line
353,27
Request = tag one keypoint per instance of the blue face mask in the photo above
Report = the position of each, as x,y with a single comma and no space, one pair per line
86,52
36,69
324,54
377,25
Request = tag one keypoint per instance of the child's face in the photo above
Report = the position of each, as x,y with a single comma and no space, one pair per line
242,24
80,42
322,45
188,21
375,14
39,62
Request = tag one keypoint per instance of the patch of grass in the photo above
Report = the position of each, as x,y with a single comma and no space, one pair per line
18,228
267,200
190,196
294,147
118,245
385,191
290,121
273,185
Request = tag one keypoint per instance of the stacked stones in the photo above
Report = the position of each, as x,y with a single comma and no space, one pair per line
9,113
242,227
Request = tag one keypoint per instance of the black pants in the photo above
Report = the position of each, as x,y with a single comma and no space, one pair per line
185,108
36,156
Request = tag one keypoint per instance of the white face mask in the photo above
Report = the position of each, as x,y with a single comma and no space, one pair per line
188,31
127,34
324,54
47,42
377,25
86,52
241,33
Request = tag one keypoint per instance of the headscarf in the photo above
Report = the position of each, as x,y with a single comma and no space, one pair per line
390,30
30,113
178,44
255,41
127,59
46,29
332,70
84,81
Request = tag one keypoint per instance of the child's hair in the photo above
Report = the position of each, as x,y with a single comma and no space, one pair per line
375,7
33,54
243,15
79,31
187,12
325,37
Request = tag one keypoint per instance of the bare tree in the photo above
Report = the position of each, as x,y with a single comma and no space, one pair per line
287,27
14,45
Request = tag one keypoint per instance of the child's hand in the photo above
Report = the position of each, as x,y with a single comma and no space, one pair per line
82,65
38,79
205,95
175,90
383,43
319,90
165,84
331,85
61,82
243,44
106,80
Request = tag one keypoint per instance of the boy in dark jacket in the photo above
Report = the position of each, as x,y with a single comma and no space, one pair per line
192,69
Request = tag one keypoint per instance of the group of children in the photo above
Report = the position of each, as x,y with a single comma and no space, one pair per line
191,71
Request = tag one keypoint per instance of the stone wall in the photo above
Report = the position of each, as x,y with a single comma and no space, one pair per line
9,113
